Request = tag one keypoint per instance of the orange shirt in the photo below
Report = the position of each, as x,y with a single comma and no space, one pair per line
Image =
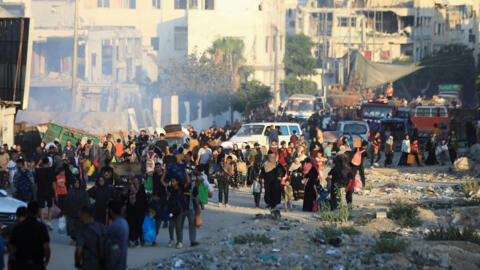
118,150
61,185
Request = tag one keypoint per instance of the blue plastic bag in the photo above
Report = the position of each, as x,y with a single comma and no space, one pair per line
149,231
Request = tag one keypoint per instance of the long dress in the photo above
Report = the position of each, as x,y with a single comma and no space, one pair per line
310,195
431,159
101,194
296,178
74,202
273,188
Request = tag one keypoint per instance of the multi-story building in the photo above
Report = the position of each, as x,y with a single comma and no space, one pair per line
402,30
122,43
259,24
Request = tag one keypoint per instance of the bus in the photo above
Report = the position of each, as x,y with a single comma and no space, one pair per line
425,117
375,110
300,106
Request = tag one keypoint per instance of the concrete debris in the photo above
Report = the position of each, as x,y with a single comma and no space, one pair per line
464,164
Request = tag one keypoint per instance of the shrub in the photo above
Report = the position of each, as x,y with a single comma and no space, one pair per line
350,231
251,238
324,234
452,233
343,213
326,214
405,215
470,186
388,243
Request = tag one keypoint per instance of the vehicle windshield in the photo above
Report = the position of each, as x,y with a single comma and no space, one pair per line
377,112
175,140
300,105
248,130
354,129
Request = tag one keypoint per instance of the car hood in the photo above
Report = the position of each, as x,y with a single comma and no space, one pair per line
10,205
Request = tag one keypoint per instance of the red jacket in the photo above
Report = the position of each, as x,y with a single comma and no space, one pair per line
415,148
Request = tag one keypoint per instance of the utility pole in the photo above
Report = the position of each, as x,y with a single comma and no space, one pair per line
75,53
374,31
275,46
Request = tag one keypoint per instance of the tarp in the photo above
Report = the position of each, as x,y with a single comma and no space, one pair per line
372,75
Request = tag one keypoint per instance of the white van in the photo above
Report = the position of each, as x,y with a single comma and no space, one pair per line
257,132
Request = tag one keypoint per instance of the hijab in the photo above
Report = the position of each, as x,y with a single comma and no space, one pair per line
295,165
270,165
390,140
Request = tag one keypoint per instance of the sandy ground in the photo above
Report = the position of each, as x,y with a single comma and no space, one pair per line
220,222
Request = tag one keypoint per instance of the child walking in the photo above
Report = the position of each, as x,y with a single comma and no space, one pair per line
288,195
257,190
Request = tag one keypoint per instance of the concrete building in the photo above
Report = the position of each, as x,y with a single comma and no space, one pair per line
384,31
259,24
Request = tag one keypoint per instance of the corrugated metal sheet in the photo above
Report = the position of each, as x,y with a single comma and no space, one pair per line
14,56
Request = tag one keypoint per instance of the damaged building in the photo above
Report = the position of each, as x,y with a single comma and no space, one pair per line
123,46
397,31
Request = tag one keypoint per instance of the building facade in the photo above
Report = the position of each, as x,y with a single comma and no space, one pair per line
397,31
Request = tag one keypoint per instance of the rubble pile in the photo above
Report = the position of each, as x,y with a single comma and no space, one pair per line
436,193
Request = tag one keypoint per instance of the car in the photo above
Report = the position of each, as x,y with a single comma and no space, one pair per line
8,208
349,129
257,133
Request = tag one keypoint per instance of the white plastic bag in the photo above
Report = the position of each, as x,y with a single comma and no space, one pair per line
62,225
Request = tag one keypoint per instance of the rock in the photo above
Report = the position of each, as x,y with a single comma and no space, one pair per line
475,152
381,214
464,164
445,261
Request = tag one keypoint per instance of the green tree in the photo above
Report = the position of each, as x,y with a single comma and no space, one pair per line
298,59
299,86
199,78
250,91
229,51
299,65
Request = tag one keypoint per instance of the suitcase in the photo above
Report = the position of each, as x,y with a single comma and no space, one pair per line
411,159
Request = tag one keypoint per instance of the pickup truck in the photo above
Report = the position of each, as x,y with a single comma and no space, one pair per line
351,129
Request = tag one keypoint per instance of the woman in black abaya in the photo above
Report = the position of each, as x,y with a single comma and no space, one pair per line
271,174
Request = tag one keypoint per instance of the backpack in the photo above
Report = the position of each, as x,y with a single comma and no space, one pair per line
357,158
109,251
24,184
257,187
150,163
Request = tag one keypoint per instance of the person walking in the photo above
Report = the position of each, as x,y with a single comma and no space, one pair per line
257,190
415,152
176,207
76,199
192,208
101,193
271,175
29,242
405,151
45,181
23,182
136,210
311,173
118,230
225,175
375,142
452,145
389,151
87,249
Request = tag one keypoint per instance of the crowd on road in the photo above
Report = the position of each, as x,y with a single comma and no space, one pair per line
175,183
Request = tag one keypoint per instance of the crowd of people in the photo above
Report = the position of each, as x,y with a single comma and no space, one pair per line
176,182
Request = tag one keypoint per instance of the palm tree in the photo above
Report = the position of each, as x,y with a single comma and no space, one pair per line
229,51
